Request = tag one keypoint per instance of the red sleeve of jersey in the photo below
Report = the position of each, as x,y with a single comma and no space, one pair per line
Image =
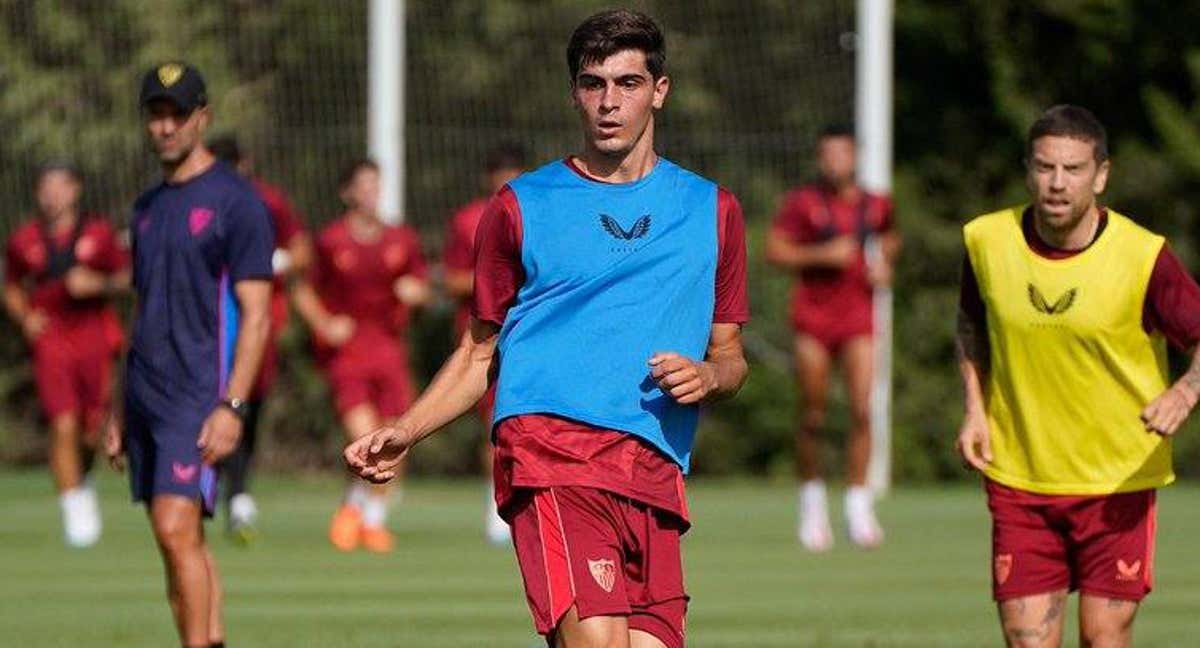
15,269
887,216
499,272
111,256
732,305
284,217
458,251
1172,305
793,218
970,301
415,266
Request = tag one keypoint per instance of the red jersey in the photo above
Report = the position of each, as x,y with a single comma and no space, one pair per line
458,254
539,451
358,279
287,225
1171,307
815,214
38,260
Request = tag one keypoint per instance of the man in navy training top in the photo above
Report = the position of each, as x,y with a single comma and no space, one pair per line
610,292
202,245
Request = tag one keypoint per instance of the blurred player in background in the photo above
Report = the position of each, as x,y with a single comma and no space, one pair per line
366,279
504,163
202,246
62,267
839,242
1065,311
610,290
291,259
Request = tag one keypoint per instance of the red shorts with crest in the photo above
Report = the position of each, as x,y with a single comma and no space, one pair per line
1100,545
605,554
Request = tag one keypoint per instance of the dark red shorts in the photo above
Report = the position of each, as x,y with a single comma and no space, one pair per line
1099,545
603,553
834,328
73,376
380,378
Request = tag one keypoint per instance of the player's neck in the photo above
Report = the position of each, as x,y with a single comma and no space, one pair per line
846,191
631,166
1076,238
60,221
198,161
365,227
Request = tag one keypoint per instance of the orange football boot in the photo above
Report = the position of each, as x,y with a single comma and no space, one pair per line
345,530
377,539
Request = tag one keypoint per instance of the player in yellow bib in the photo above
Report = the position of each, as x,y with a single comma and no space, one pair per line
1066,309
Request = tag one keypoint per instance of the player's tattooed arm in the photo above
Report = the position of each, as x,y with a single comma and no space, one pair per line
1166,413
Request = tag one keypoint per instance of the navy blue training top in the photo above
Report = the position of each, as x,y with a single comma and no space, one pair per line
191,243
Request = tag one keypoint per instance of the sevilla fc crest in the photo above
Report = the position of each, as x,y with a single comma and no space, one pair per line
1003,568
605,573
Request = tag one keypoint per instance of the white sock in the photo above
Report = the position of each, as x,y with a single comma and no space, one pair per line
242,508
357,495
812,496
81,517
859,501
374,511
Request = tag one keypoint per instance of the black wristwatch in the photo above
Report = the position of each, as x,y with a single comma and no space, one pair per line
239,407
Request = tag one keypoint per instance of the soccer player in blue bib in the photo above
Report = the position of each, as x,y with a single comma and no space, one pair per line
202,244
610,291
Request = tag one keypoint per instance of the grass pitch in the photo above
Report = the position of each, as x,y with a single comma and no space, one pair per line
751,584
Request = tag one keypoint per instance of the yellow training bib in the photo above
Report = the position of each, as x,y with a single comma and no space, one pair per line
1071,366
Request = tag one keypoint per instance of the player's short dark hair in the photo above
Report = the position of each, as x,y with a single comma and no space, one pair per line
838,129
56,165
350,171
226,148
506,155
608,32
1076,122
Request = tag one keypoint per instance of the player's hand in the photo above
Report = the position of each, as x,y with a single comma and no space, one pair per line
880,274
33,324
685,380
974,442
412,291
841,252
338,329
1166,413
220,435
114,442
376,457
83,282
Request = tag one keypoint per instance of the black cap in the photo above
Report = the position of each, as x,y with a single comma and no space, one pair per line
176,82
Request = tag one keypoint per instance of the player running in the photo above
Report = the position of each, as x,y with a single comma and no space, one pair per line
367,278
291,259
609,294
202,274
1065,310
504,163
822,234
61,269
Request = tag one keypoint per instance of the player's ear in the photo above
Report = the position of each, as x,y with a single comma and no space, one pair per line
203,117
662,85
1101,180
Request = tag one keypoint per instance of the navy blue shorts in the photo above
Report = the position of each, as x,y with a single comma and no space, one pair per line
164,460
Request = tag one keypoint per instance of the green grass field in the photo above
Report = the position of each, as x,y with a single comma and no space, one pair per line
751,584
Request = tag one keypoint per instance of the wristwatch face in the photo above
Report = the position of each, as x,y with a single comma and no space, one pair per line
239,406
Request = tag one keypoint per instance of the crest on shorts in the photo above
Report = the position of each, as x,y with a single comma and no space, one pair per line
605,573
183,474
169,74
1127,571
1003,568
